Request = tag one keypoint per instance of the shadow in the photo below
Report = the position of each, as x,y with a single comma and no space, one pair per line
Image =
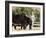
9,37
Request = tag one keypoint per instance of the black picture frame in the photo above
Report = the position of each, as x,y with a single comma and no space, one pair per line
7,18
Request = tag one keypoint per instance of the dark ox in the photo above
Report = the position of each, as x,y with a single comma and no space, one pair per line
21,20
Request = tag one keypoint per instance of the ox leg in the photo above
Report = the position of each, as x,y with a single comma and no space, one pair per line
15,27
24,27
21,27
29,27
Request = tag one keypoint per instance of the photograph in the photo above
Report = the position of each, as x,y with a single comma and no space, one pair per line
25,18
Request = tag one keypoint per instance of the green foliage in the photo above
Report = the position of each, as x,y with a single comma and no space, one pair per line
27,11
37,15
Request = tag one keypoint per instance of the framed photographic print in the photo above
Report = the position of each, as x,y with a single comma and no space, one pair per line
24,18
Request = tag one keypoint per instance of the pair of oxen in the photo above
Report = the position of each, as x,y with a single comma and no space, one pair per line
21,20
